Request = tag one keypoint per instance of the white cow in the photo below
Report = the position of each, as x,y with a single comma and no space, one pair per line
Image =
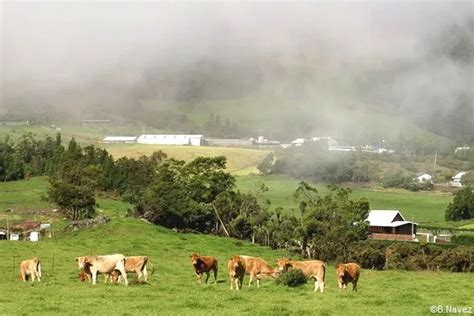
103,264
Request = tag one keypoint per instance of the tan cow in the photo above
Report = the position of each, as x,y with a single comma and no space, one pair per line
312,269
103,264
236,269
30,267
204,264
256,267
134,264
347,273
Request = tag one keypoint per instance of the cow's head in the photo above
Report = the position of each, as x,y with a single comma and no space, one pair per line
283,264
195,258
82,262
235,264
340,270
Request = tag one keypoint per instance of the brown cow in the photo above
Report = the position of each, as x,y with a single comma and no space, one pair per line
236,269
134,264
103,264
84,276
30,267
256,267
347,273
204,264
312,269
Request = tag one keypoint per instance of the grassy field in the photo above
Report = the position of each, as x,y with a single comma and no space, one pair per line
423,207
172,288
239,160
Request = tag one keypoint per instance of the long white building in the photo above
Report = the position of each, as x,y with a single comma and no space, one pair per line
190,140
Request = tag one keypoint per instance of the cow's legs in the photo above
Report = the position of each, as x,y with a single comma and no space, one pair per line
237,283
231,282
23,276
207,276
145,274
124,274
321,286
354,286
241,281
316,284
94,276
339,283
215,275
33,276
251,279
198,277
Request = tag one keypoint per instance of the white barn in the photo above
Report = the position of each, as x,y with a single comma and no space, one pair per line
424,177
190,140
456,180
119,139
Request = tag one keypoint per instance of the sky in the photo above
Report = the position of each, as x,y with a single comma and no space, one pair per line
86,53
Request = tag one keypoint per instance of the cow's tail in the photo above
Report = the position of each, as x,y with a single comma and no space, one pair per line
145,261
38,267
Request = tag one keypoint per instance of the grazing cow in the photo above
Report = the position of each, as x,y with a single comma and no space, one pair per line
347,273
103,264
236,269
312,269
30,267
204,264
135,264
256,267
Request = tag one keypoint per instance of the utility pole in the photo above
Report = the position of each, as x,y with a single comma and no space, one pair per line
436,157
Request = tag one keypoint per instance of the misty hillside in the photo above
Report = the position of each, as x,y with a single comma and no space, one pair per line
397,71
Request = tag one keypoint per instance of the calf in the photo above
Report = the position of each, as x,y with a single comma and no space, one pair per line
84,276
204,264
236,269
134,264
103,264
312,269
30,267
256,267
347,273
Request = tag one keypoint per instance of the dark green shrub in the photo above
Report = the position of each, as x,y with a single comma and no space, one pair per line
466,240
291,278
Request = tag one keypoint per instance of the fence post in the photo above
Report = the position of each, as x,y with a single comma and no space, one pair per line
52,266
13,265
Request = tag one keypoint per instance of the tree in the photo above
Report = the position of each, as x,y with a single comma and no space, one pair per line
468,179
75,201
330,222
265,166
462,206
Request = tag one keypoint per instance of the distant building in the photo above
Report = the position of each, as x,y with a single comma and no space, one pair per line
342,148
119,140
390,224
423,177
456,180
229,142
33,236
463,149
297,142
190,140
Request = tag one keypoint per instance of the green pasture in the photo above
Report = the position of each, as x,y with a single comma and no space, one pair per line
172,289
423,207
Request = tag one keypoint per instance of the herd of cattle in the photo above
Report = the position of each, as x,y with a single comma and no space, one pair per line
115,268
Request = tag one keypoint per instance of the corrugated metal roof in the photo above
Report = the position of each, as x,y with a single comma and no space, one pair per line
386,218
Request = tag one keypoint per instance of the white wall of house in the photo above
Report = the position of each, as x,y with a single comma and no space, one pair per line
192,140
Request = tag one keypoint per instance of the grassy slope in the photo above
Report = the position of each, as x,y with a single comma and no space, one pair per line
239,160
172,290
426,207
